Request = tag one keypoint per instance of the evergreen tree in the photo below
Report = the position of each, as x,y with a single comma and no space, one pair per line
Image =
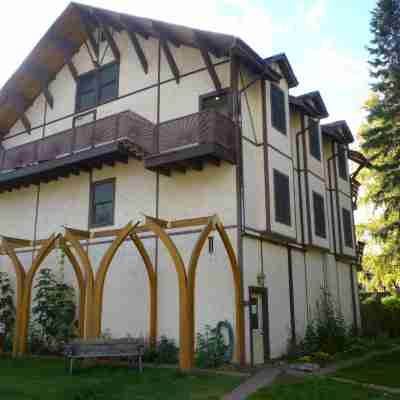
7,309
381,133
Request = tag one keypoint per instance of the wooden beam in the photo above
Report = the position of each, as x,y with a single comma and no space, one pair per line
133,26
16,242
42,75
26,123
67,48
138,48
108,35
73,70
211,68
88,27
207,60
80,233
165,34
170,59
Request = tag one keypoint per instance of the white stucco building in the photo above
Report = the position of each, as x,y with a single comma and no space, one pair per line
112,117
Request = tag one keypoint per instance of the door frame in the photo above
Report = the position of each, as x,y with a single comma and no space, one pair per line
264,292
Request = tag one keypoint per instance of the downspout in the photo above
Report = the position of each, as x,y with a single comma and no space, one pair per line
234,80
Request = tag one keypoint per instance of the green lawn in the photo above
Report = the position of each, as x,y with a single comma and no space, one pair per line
380,370
317,389
43,379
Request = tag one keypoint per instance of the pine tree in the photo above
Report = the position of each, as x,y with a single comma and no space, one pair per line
381,133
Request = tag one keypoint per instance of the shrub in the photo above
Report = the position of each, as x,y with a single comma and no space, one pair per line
328,332
164,352
211,349
7,309
53,313
381,316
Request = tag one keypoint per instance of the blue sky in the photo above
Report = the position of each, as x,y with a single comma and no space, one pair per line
324,39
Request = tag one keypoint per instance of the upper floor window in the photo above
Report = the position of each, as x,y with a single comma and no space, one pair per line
218,101
347,228
102,204
342,162
282,198
319,215
278,109
97,87
314,138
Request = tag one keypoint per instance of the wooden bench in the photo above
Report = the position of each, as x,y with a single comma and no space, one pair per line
129,349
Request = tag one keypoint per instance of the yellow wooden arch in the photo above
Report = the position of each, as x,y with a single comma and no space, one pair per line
20,288
72,238
193,263
101,274
81,283
185,353
44,251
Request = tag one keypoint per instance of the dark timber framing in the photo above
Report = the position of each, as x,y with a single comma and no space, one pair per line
108,35
170,59
137,46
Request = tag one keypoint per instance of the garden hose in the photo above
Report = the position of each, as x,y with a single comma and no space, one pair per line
231,345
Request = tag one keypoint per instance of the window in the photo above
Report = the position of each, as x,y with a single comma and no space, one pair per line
282,198
97,87
347,228
319,215
342,161
314,138
278,109
217,101
102,203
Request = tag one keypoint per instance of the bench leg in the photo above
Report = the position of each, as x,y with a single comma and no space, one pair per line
140,365
71,362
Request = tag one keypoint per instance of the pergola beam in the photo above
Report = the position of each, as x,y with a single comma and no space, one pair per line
170,59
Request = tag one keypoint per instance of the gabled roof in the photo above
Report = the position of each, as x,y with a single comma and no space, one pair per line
311,104
76,25
285,67
338,130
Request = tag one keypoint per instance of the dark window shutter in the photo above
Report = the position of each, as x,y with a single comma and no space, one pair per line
342,160
282,198
347,228
319,215
278,109
314,137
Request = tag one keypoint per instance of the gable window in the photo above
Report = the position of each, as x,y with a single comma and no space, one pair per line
342,162
102,203
314,138
282,198
217,101
97,87
278,109
347,228
319,215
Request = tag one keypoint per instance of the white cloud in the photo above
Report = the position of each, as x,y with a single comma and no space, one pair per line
315,14
341,78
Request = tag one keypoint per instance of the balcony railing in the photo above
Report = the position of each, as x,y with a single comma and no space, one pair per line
190,130
122,126
193,138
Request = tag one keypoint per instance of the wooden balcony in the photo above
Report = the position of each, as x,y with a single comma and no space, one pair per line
182,143
191,141
104,141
